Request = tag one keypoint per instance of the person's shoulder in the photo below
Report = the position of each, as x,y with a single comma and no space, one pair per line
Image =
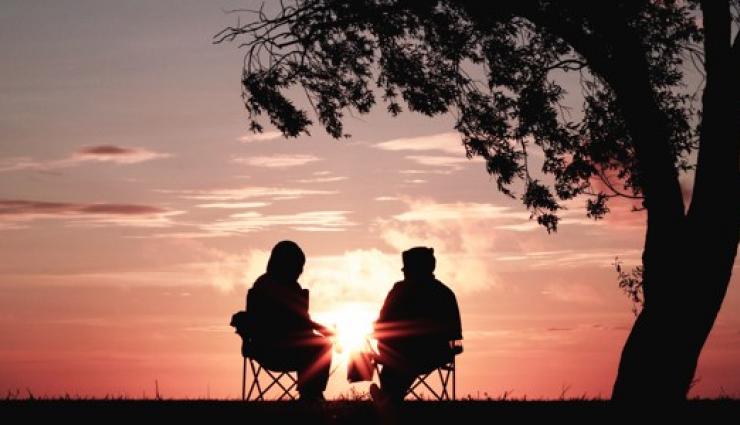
443,288
261,282
398,286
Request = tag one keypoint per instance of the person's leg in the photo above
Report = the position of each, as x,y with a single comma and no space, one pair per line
395,382
314,365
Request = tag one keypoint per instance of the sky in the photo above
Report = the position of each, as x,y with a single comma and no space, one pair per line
136,209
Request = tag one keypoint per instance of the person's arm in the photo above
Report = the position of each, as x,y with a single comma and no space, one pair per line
323,330
456,328
387,314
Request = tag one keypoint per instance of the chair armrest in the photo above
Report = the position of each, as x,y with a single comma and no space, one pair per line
456,347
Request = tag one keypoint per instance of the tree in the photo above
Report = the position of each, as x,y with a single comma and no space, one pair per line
497,67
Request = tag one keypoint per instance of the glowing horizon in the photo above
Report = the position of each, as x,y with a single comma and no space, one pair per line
137,208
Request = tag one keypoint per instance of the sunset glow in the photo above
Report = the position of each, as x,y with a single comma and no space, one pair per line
137,208
354,326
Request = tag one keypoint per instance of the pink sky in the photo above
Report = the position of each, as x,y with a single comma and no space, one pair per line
136,209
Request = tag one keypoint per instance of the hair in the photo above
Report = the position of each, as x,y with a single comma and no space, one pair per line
286,260
419,260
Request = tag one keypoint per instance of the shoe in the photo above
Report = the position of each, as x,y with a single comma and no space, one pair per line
386,408
377,394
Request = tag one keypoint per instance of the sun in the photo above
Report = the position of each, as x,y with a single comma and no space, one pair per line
353,324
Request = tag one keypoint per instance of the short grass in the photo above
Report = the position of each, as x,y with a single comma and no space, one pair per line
130,411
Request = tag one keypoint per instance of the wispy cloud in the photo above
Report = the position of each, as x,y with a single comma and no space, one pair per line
277,161
309,221
118,154
573,293
427,210
443,151
476,241
426,171
444,142
234,205
100,153
322,177
248,193
329,179
449,162
260,137
89,214
464,252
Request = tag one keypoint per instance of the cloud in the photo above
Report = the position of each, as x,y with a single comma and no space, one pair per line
573,293
310,221
250,192
89,214
22,207
355,276
235,205
352,276
574,259
117,154
464,253
323,179
100,153
443,151
476,241
415,181
444,142
412,171
450,162
277,161
427,210
261,137
348,277
230,271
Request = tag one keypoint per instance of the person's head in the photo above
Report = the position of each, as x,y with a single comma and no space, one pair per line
418,262
286,261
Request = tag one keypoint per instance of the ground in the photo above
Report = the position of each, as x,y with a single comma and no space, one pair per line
359,412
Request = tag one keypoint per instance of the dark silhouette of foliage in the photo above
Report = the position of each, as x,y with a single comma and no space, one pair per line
631,283
345,53
499,68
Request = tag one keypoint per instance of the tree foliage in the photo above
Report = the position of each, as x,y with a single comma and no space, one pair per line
497,68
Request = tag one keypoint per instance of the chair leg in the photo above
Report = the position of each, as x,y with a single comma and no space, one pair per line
276,381
443,381
454,379
437,396
255,382
422,380
244,376
445,374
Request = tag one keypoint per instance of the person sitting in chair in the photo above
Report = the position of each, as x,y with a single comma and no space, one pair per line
282,335
419,319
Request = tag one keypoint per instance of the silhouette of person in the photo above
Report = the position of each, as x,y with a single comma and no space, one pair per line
281,330
419,319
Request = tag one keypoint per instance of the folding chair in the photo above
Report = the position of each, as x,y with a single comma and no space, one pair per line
282,382
445,373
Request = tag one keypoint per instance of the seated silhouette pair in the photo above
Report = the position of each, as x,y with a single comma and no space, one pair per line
418,320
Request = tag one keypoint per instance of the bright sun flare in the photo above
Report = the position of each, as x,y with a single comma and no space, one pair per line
353,324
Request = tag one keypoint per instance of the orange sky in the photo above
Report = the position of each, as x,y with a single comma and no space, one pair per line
135,210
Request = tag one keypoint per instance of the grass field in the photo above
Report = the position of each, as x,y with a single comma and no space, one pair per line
362,412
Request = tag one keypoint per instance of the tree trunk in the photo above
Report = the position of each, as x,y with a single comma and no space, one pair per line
688,271
687,258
